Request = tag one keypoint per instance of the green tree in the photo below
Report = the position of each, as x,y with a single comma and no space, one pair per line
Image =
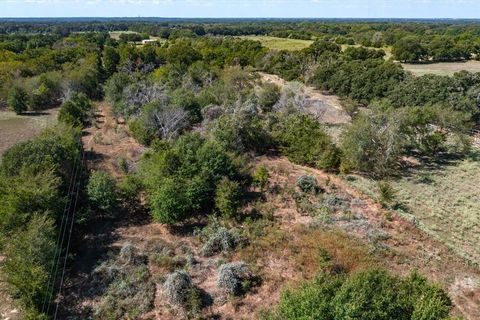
302,139
111,59
227,197
18,100
101,190
409,50
29,254
76,111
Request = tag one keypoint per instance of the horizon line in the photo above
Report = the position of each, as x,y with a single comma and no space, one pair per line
245,18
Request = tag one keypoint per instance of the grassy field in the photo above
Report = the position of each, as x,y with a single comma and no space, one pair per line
443,201
443,68
116,34
275,43
15,128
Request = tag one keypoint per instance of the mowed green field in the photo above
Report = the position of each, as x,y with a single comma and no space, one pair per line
442,68
15,128
275,43
443,201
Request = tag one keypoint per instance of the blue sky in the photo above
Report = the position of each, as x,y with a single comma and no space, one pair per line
243,8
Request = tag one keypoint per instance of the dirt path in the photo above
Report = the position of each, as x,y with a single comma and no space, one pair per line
286,252
327,107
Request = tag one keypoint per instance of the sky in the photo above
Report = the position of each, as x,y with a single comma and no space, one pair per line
243,8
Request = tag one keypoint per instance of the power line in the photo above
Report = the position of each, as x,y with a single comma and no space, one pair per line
69,239
57,247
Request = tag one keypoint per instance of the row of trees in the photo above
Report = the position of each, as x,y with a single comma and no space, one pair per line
42,76
34,182
438,49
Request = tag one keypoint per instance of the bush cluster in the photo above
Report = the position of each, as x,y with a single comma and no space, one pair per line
234,278
301,138
221,240
308,184
129,291
34,179
372,294
177,286
181,180
101,190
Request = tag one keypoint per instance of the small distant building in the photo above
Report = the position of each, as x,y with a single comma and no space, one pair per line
147,41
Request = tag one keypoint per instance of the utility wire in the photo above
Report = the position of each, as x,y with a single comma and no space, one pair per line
69,239
62,234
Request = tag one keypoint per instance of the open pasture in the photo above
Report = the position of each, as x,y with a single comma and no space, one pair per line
15,128
442,200
442,68
276,43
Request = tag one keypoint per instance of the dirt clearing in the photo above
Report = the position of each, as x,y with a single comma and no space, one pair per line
326,107
16,128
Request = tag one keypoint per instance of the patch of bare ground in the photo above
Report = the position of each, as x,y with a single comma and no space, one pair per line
107,142
326,107
284,243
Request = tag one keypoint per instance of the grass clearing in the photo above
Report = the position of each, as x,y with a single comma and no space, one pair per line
116,34
15,128
442,68
442,201
275,43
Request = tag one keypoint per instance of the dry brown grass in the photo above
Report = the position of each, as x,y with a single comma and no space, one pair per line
16,128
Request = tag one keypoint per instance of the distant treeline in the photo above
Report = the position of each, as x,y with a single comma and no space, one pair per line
413,40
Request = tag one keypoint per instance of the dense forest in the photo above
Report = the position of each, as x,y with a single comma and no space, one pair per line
195,101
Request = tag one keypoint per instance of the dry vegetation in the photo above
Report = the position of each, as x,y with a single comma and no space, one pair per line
442,68
16,128
441,199
288,234
275,43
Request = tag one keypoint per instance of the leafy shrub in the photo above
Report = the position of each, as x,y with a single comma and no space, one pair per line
234,277
177,286
26,194
182,178
101,190
307,184
372,294
260,177
221,240
130,291
18,100
241,133
386,193
75,111
29,255
129,189
56,148
310,301
228,197
303,141
268,96
373,144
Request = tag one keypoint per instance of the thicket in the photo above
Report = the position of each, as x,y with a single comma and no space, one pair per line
40,71
182,179
373,294
34,179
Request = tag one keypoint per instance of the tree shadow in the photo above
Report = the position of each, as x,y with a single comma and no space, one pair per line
92,244
34,113
429,164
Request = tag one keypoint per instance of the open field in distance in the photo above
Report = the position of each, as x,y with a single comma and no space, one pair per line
275,43
15,128
442,68
442,199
